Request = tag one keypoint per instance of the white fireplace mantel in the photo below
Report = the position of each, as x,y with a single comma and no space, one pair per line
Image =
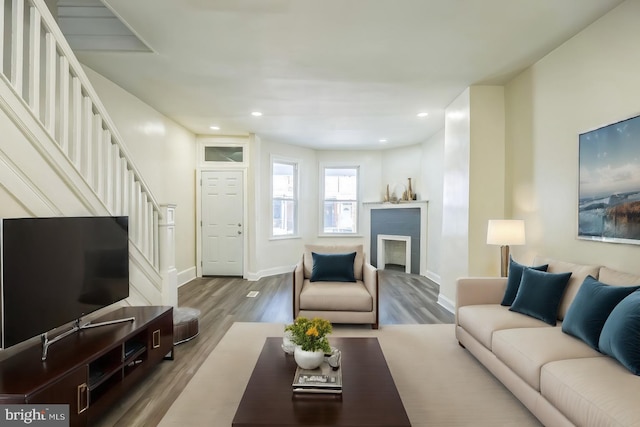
421,204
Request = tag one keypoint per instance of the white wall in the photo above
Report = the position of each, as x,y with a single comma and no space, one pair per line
455,199
430,188
272,256
400,164
486,176
474,184
163,152
377,168
590,81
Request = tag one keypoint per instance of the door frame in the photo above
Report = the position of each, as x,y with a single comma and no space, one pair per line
243,167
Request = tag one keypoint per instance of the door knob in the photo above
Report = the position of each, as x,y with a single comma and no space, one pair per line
239,232
239,225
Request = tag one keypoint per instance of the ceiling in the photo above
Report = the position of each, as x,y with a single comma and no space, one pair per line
328,74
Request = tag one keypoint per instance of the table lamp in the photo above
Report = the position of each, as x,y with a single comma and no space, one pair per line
505,232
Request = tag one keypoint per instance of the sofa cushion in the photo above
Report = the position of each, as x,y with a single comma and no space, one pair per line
481,321
620,337
578,274
513,280
526,350
540,294
591,308
333,267
335,296
335,249
592,391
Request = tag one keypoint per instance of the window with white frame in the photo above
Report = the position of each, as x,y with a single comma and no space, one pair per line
284,194
340,200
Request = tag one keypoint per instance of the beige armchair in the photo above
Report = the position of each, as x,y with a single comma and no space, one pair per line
338,302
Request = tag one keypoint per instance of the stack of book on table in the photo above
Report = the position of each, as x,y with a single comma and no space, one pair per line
321,380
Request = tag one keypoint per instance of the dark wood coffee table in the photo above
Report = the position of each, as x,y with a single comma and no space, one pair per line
369,395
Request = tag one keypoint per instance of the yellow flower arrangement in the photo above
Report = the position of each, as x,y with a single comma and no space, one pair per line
310,335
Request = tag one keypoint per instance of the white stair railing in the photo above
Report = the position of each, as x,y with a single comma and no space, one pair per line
41,68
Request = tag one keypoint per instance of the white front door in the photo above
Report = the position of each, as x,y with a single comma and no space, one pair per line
222,223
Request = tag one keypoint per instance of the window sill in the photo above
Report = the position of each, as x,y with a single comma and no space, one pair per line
292,237
340,235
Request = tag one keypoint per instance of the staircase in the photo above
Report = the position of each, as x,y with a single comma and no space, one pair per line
61,154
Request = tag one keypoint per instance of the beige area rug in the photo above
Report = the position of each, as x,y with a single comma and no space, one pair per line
439,382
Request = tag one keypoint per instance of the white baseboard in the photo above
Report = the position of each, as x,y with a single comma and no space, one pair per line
186,276
446,303
433,276
269,272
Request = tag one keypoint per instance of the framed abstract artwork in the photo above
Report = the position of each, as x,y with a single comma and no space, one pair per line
609,183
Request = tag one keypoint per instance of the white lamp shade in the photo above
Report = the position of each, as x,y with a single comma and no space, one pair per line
505,232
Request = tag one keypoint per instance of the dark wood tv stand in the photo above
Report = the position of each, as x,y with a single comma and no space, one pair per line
91,369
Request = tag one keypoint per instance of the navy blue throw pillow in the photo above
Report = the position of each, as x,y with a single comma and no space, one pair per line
591,308
513,280
540,294
621,333
333,267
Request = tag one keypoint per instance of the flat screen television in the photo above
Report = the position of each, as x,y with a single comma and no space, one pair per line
56,270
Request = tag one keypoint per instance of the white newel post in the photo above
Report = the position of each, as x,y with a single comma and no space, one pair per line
167,226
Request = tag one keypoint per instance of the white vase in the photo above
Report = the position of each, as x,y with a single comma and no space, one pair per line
287,344
308,359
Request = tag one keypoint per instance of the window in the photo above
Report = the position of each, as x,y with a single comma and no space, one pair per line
223,154
340,200
284,193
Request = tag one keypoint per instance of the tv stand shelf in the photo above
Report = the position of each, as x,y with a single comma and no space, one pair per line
91,369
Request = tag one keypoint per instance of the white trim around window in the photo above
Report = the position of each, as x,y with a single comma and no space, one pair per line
285,184
339,200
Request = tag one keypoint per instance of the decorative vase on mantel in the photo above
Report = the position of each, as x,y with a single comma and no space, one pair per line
308,359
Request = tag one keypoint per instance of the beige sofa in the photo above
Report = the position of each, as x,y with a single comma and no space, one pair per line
559,378
338,302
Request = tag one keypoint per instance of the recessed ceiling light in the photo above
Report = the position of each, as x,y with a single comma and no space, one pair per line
382,140
256,113
423,114
214,127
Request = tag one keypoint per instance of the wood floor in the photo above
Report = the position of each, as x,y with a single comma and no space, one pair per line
404,299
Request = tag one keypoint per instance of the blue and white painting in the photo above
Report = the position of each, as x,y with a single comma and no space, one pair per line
609,190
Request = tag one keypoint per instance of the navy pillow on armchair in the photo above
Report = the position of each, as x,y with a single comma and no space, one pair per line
333,267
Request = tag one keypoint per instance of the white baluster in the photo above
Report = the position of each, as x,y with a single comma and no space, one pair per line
98,156
50,84
87,142
76,121
17,43
64,106
156,238
34,61
132,207
124,190
2,6
108,176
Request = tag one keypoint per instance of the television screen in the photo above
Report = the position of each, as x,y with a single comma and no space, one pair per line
56,270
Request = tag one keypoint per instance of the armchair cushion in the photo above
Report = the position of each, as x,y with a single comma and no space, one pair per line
358,262
332,296
333,267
